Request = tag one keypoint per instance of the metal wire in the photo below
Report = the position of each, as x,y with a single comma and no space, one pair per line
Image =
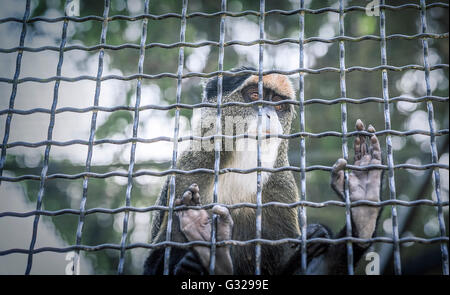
258,218
92,133
302,210
390,156
219,13
198,138
223,105
422,202
221,171
217,140
140,76
135,134
224,73
14,83
226,44
175,142
188,245
343,86
47,149
434,153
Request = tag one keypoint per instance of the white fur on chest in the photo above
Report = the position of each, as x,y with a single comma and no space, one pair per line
239,188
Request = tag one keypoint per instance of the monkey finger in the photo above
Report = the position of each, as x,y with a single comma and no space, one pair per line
362,139
340,164
357,148
337,176
194,188
369,145
359,125
196,199
224,214
224,222
186,199
364,148
376,149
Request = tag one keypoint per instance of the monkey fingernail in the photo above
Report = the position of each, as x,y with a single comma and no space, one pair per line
340,164
194,188
187,197
196,198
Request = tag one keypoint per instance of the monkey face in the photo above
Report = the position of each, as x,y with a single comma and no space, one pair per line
272,115
275,119
250,93
237,120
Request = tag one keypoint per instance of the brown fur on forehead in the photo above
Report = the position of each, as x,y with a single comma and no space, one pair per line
278,83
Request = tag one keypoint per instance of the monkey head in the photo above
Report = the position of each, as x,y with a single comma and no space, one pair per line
238,119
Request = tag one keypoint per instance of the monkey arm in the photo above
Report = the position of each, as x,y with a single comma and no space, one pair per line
326,258
195,224
363,185
332,259
192,225
182,262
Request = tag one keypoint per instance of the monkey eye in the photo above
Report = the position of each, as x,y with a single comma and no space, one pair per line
254,95
251,93
277,98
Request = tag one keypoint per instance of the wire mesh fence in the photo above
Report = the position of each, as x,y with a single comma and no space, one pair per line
340,9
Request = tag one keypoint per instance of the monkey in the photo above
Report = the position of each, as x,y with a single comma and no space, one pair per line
277,222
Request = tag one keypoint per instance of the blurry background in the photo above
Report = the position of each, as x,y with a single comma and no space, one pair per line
100,228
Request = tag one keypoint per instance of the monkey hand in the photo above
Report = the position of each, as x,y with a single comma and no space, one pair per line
196,226
363,185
